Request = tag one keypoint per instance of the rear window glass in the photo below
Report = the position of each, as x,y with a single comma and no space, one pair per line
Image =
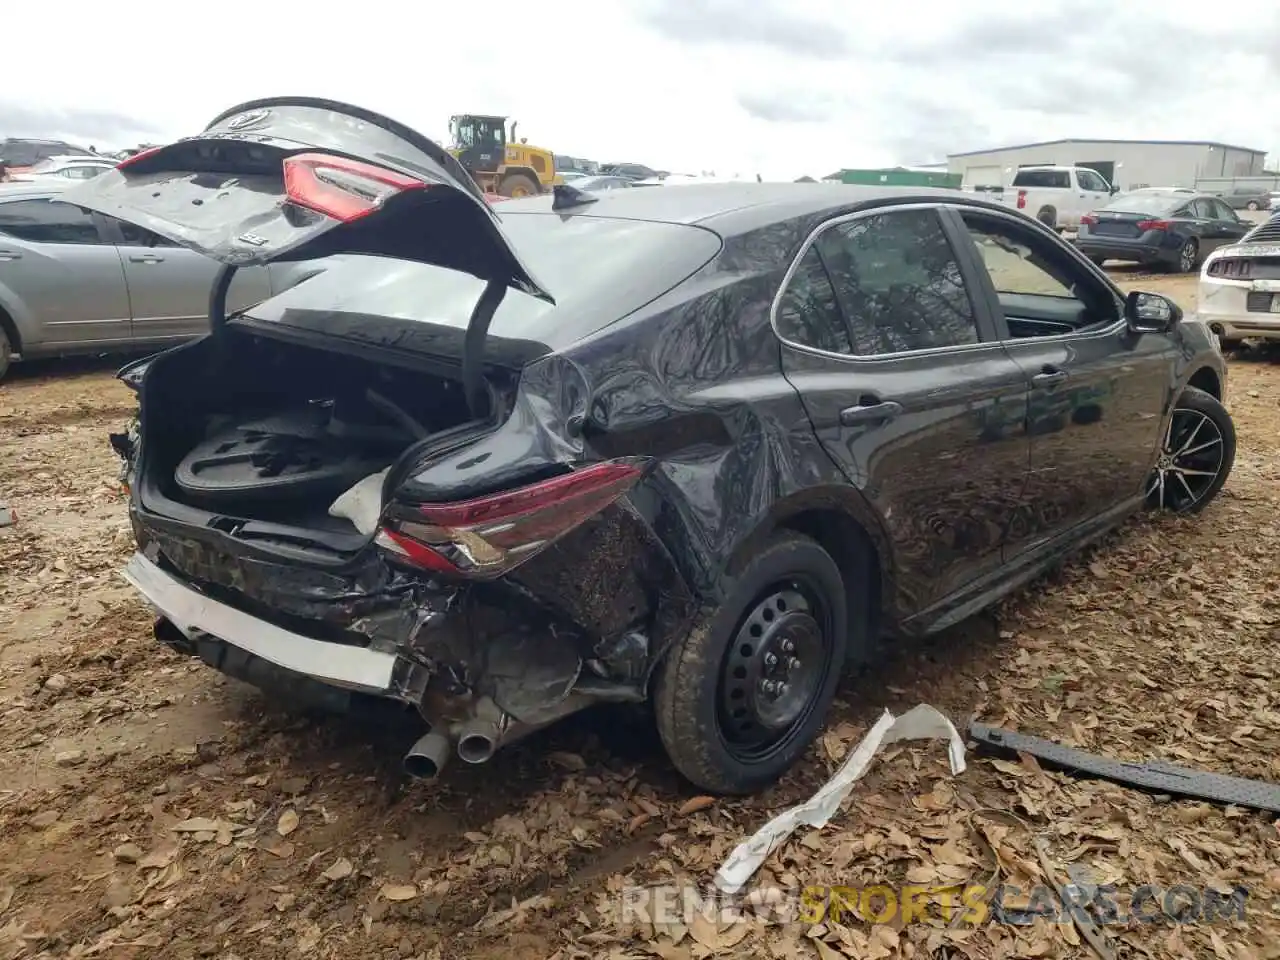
598,270
1146,202
1042,178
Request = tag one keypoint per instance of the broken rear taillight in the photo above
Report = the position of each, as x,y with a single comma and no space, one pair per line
489,536
342,188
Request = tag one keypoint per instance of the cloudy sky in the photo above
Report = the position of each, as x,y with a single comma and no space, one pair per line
777,87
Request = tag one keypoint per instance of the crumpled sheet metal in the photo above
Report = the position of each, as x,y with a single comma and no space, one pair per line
922,722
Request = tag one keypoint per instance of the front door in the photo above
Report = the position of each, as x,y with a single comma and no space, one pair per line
169,285
909,392
1098,394
483,143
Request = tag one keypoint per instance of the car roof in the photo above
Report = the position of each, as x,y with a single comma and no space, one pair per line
741,205
22,188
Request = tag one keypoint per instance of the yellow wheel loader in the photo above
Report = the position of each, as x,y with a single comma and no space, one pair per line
499,163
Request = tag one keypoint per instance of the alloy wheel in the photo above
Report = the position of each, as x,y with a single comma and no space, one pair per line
1191,457
773,671
1187,256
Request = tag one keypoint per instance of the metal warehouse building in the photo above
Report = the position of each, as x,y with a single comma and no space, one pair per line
1128,164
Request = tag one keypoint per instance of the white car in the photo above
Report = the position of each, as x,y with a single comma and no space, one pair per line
1275,201
1057,196
1240,287
70,167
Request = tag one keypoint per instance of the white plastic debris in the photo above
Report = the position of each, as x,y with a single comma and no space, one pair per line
919,723
8,516
362,504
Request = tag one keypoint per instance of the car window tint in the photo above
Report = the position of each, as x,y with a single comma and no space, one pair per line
898,283
136,236
47,221
1221,211
1042,178
808,313
1202,209
1012,265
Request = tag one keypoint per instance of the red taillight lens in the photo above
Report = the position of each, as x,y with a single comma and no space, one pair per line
489,536
340,188
1154,224
140,155
1232,268
1022,199
1088,219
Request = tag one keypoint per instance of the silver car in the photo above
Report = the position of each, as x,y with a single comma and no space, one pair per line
75,282
70,167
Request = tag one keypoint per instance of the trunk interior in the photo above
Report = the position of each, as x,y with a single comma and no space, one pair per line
256,437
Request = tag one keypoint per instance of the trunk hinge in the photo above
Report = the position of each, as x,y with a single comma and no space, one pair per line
473,347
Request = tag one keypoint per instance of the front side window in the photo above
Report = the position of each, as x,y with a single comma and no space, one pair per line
1012,266
1091,181
898,283
47,221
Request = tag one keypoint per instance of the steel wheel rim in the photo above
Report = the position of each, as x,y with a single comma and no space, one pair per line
1188,256
1190,461
776,666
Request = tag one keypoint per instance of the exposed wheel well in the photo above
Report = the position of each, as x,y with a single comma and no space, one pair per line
854,553
11,330
1207,380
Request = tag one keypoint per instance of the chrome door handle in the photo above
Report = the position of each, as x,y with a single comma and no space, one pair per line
1048,377
10,255
876,412
146,258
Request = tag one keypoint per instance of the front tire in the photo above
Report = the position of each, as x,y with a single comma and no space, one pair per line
6,353
739,699
1253,205
518,185
1196,454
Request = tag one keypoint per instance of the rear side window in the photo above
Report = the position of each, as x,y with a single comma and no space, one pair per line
808,313
1042,178
15,153
47,221
897,286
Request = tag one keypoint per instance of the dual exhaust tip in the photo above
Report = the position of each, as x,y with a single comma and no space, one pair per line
427,758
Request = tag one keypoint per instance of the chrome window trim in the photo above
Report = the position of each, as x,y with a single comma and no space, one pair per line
936,206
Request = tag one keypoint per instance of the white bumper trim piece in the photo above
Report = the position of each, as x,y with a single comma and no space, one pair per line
353,668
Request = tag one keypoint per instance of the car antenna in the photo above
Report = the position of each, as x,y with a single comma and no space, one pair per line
565,196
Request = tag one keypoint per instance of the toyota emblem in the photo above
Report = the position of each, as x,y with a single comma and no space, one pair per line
246,120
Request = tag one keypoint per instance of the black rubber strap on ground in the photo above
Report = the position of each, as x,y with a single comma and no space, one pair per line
1153,777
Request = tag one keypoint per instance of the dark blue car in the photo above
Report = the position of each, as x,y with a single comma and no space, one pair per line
1170,228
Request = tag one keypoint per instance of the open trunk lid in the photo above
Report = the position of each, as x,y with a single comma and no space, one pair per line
297,178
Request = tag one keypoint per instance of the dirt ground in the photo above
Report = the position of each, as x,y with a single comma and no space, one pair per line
149,807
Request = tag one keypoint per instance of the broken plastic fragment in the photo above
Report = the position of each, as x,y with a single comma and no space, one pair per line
362,504
919,723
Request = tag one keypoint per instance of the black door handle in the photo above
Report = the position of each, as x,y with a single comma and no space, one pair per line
1048,376
876,411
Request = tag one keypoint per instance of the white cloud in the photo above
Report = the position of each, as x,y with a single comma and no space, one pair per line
779,87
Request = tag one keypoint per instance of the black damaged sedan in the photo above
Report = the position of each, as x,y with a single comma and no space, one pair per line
1166,228
698,447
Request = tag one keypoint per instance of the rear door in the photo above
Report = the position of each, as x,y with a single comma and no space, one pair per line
60,277
169,285
1230,227
1097,395
909,392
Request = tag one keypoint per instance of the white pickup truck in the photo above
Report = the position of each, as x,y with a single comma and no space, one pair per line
1057,196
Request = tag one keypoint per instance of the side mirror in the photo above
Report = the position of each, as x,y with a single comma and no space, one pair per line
1114,189
1150,313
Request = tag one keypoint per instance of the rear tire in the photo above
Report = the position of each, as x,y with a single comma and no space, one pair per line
1049,217
1188,257
1197,453
518,185
1253,205
785,621
6,353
